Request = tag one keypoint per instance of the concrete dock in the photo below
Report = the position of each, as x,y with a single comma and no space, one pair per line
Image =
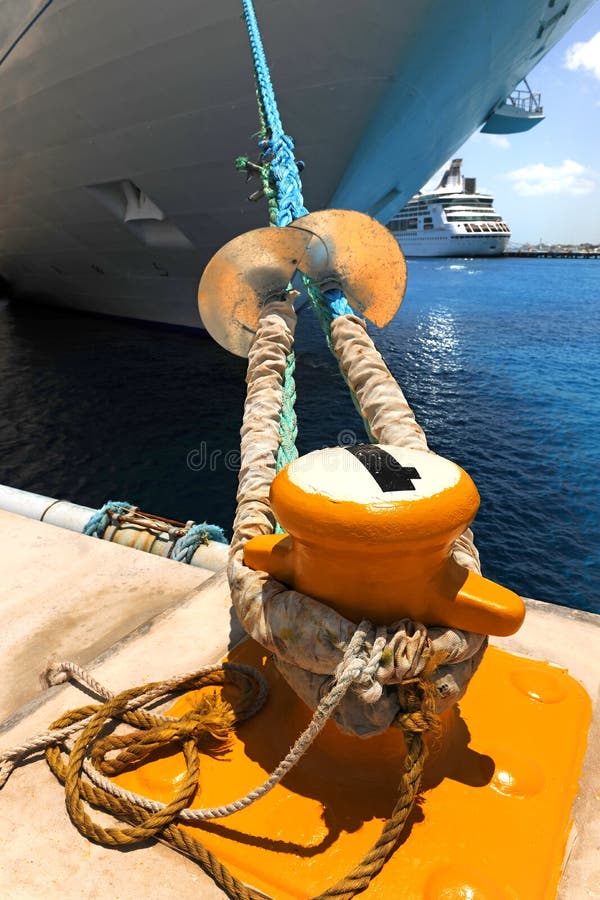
131,618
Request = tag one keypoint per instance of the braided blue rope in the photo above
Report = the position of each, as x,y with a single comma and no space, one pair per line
328,305
278,151
185,547
101,519
285,206
277,146
283,188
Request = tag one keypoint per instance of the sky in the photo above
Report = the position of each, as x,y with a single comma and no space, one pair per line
546,182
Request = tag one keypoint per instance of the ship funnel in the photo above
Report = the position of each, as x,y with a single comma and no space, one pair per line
452,178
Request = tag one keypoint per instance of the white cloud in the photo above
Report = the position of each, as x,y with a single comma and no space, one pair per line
585,55
498,141
569,177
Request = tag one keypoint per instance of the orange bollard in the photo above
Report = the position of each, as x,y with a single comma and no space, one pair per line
370,533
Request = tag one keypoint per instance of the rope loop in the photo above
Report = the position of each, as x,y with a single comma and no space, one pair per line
103,517
196,536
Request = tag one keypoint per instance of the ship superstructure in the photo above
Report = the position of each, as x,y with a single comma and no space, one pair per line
452,220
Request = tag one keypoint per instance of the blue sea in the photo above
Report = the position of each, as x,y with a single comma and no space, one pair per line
500,359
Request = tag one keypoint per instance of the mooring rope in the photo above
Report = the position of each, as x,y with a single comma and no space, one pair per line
186,537
102,518
277,146
210,720
282,186
196,536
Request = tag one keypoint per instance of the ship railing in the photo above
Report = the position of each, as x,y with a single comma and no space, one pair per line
527,101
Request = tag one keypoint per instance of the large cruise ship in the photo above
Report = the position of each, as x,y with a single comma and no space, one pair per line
120,121
452,220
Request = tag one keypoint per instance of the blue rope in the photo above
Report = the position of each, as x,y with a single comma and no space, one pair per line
277,146
185,547
328,305
286,204
278,152
283,188
101,519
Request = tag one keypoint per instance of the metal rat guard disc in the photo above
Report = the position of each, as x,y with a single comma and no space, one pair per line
335,248
356,253
240,280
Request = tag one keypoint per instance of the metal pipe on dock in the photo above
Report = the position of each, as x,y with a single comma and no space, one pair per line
73,517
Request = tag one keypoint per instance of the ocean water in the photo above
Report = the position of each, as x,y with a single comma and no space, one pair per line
500,359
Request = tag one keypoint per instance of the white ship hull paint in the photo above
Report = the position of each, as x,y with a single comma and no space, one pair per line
162,95
455,245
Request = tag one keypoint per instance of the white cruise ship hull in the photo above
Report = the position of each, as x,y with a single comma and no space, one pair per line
455,245
161,96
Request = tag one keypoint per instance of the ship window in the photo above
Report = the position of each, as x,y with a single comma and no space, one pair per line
428,220
462,217
476,228
470,202
427,226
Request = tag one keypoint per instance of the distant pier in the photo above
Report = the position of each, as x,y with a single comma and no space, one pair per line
553,254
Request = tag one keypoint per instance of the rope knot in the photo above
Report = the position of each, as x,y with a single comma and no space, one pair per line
361,661
212,717
373,659
418,698
54,673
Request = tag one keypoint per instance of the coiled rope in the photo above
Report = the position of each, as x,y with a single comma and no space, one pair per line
210,722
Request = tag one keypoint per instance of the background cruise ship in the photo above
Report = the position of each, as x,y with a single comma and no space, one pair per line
120,121
452,220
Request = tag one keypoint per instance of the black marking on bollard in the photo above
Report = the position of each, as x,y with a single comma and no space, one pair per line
389,474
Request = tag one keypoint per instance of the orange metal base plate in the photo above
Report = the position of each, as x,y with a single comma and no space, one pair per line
494,815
